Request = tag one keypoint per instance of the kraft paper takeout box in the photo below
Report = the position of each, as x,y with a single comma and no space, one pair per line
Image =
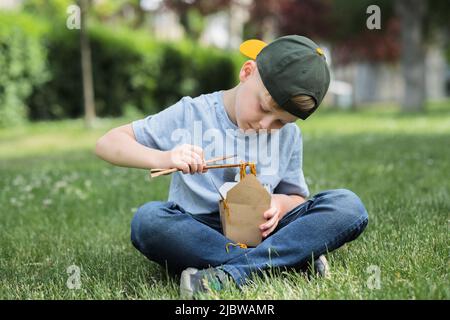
243,214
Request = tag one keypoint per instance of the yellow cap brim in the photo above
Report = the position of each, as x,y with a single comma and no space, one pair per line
251,48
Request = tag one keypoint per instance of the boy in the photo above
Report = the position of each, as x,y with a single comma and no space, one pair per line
284,80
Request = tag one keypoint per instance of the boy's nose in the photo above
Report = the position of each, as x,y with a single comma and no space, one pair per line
269,124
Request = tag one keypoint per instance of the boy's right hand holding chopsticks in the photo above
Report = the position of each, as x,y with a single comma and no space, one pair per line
188,158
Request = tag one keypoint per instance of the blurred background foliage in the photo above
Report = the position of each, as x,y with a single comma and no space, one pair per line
135,71
41,68
23,65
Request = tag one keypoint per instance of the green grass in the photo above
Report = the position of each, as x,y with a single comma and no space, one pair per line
61,206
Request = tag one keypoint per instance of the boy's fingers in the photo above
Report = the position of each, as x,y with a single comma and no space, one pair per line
198,162
200,153
192,155
185,168
270,229
269,223
270,212
192,162
192,165
266,233
273,218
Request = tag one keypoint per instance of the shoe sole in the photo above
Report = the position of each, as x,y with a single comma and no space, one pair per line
186,290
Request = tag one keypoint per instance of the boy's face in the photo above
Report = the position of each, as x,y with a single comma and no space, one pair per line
253,107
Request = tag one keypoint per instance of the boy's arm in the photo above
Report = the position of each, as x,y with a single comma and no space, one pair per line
119,147
287,202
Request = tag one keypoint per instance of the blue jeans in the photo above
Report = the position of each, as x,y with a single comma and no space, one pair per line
165,233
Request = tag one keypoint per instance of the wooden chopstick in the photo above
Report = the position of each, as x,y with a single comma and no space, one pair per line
207,161
160,172
218,166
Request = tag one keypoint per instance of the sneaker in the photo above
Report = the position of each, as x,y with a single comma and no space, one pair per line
194,281
321,267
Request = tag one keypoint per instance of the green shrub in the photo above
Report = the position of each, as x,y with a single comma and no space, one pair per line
126,69
22,65
131,70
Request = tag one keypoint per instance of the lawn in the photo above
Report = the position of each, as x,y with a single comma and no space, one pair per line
61,206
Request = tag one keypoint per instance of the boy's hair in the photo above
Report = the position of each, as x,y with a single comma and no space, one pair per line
303,102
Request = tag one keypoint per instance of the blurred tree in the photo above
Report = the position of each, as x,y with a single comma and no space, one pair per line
270,18
54,9
412,15
265,20
436,20
86,67
129,12
342,24
422,22
191,13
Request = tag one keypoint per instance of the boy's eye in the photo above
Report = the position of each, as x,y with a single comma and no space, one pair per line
262,109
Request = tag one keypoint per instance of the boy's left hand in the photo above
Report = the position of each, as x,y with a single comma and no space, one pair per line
273,216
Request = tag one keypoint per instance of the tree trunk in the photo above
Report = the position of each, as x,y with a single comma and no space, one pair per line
86,69
412,13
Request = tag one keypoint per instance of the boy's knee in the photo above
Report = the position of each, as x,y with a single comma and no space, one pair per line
350,209
148,211
347,202
354,205
146,220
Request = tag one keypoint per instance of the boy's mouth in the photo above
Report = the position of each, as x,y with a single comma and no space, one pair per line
251,127
247,127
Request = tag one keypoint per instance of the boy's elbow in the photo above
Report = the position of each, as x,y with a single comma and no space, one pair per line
100,146
107,147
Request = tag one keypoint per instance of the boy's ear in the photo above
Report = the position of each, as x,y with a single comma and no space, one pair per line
247,69
251,48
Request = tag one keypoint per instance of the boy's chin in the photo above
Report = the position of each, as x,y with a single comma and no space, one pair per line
245,127
248,130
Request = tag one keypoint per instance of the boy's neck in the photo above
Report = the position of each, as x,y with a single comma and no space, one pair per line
229,100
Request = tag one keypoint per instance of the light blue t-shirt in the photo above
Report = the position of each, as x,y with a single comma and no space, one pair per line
203,121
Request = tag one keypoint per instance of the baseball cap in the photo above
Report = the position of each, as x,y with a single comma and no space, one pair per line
289,66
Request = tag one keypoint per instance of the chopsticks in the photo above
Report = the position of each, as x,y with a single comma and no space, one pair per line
161,172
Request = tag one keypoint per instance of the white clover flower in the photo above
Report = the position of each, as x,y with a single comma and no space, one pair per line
88,183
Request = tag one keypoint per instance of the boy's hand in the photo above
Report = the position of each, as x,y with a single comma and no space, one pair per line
188,158
280,204
273,216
